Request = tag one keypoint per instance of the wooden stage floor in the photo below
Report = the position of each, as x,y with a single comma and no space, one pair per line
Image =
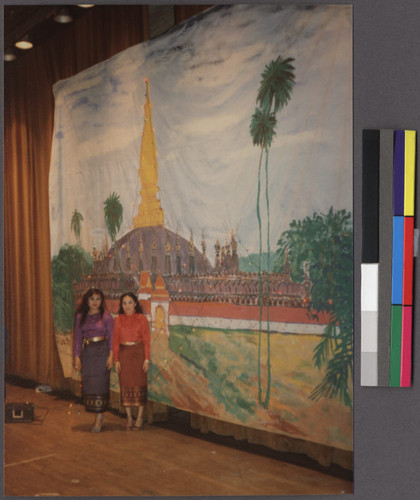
56,455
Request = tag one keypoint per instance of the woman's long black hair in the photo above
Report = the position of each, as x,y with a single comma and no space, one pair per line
138,307
83,308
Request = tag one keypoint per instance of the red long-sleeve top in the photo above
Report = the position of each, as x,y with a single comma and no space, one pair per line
132,328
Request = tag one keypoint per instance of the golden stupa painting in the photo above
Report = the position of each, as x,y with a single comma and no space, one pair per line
150,212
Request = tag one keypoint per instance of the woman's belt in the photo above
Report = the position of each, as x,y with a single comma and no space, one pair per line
131,343
92,339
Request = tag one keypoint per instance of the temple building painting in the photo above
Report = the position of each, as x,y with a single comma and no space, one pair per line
233,338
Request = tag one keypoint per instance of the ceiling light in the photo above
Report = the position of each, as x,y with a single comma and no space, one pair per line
86,5
9,54
24,43
63,16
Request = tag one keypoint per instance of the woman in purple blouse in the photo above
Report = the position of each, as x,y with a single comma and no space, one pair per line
93,352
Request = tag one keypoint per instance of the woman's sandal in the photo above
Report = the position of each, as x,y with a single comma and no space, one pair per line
129,424
138,425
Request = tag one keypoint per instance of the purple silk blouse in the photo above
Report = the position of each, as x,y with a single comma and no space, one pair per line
94,326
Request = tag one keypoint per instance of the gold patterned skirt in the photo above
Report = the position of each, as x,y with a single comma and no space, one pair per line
133,379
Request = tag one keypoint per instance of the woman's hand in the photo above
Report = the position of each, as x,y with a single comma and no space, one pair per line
146,365
77,363
110,360
117,366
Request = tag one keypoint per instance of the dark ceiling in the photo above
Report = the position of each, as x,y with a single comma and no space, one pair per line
35,20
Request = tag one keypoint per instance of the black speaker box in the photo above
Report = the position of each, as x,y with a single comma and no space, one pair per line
19,412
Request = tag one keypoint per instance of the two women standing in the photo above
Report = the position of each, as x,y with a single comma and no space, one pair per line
98,340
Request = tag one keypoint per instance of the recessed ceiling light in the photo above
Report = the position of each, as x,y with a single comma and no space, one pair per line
24,43
63,16
9,54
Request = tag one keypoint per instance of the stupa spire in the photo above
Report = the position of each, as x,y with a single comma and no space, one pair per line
150,212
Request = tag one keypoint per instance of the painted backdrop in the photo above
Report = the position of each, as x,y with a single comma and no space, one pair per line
210,171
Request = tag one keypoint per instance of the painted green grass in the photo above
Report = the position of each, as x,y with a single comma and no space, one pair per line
214,372
221,357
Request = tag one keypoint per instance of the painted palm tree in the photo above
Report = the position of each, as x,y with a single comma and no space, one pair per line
273,94
113,211
277,83
76,225
262,132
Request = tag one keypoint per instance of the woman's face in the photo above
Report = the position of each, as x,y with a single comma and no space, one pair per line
128,305
94,303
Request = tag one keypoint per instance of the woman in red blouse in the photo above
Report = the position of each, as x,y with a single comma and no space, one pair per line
131,348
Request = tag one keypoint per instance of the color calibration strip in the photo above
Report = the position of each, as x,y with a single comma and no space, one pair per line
370,258
388,199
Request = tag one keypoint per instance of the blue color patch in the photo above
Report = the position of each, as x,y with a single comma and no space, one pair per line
397,260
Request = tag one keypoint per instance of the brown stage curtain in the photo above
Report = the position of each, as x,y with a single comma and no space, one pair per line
29,119
28,128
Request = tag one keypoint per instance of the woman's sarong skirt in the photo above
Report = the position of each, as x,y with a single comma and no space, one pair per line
133,379
95,376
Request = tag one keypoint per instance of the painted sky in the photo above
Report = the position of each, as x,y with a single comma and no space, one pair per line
204,77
